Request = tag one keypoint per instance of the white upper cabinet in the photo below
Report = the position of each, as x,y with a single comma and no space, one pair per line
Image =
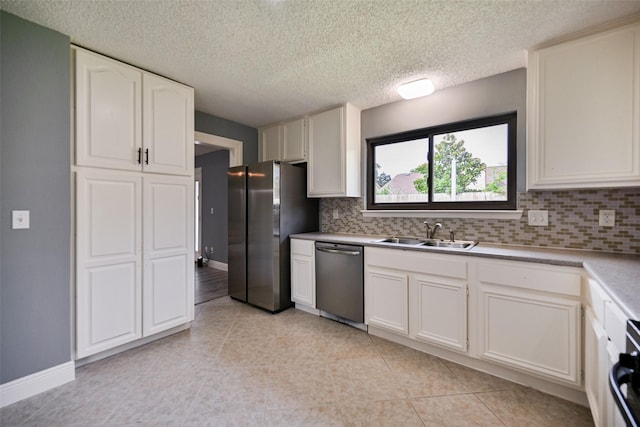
584,112
334,153
286,142
129,119
270,141
167,126
108,112
294,141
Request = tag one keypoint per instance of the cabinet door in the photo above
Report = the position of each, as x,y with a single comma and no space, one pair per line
167,126
595,363
108,260
168,253
303,272
270,139
534,332
584,123
302,280
326,171
108,112
439,312
387,300
294,141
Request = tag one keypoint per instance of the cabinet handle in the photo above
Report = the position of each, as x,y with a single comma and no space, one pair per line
146,156
139,155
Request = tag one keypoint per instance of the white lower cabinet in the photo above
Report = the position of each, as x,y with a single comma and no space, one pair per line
439,311
387,299
303,272
595,366
125,220
420,295
529,319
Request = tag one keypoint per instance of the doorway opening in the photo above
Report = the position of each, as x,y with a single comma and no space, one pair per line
213,156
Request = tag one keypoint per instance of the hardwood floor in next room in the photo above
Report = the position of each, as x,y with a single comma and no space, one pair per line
210,283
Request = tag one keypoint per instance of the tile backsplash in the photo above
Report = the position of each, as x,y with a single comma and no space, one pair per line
573,221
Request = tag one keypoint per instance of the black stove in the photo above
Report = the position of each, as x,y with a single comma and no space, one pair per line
624,379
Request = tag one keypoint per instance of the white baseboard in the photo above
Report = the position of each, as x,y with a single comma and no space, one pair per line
36,383
219,265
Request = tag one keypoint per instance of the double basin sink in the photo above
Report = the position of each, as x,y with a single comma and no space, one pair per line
434,243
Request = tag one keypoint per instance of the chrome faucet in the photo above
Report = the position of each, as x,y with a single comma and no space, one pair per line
430,232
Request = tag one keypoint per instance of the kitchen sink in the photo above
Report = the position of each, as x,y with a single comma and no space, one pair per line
401,241
451,244
433,243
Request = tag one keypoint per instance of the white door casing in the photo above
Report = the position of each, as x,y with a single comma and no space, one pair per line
234,146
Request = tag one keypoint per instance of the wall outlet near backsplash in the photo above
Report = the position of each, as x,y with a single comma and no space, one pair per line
538,218
575,222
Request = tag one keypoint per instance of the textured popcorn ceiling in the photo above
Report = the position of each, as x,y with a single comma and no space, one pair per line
261,61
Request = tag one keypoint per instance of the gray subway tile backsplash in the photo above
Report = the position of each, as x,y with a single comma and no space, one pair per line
573,221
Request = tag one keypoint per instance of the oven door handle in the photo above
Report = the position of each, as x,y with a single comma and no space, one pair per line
618,376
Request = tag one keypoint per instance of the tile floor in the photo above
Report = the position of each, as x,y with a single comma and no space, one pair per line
243,367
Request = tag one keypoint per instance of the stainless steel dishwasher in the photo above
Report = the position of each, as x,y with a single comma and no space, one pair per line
340,280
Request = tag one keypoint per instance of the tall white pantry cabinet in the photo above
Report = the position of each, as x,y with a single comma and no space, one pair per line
134,203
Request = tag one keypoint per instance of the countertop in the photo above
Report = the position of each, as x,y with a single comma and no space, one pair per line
619,274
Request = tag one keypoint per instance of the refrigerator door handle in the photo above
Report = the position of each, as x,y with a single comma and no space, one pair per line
338,251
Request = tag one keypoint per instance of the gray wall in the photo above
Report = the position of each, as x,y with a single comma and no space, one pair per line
214,196
222,127
493,95
214,176
35,175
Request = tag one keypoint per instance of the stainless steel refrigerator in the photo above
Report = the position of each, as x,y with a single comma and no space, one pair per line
267,202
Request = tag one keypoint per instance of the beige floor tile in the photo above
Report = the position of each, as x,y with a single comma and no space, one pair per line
247,352
425,376
365,379
253,327
462,410
301,350
391,349
304,387
383,413
246,387
476,381
239,365
528,407
227,417
320,416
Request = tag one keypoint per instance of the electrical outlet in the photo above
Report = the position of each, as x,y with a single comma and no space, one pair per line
538,218
336,214
607,217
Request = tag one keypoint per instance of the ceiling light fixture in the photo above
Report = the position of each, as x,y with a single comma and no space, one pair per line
416,89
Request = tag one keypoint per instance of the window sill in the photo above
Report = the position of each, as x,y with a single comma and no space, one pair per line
483,214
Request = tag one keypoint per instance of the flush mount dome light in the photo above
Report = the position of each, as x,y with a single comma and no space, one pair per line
416,89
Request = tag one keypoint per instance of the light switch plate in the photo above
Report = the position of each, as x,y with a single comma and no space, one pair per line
538,218
20,219
607,218
336,214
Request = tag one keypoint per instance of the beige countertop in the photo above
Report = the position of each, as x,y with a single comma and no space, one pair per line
619,274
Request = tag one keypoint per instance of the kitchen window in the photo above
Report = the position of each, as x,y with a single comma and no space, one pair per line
468,165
